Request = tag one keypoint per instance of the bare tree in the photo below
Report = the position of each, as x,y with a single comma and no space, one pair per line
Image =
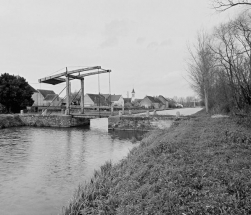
223,5
232,48
200,67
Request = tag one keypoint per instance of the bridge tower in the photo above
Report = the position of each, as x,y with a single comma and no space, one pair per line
67,76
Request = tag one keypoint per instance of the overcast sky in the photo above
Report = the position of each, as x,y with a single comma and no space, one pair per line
143,42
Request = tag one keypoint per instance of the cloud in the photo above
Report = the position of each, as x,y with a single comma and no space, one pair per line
140,40
116,28
166,43
153,45
114,31
110,42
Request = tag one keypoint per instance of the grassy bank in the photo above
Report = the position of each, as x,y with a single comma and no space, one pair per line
9,120
198,166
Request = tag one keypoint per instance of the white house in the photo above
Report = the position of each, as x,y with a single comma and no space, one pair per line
45,97
116,100
94,100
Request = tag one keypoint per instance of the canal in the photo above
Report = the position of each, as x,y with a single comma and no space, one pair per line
40,168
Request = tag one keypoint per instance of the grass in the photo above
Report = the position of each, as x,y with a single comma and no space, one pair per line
198,166
9,120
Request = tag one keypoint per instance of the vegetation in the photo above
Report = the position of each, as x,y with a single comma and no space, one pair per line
15,93
220,66
8,120
222,5
198,166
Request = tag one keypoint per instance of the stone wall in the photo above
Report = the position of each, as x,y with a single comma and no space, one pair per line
53,120
141,123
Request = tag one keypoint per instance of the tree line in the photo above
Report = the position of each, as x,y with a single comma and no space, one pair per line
219,66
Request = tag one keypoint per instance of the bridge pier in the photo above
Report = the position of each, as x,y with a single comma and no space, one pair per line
62,121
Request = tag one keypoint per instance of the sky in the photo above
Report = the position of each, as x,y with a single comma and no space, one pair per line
143,42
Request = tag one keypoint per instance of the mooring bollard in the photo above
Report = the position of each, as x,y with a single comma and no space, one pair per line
22,112
130,112
120,113
62,111
177,114
147,113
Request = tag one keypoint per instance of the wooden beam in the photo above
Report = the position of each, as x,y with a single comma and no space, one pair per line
74,77
95,73
68,73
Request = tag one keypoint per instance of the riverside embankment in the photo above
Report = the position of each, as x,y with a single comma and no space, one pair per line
198,166
38,120
10,120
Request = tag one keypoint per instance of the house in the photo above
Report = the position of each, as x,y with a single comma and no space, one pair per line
127,100
95,100
106,96
164,100
136,102
39,98
52,100
116,100
151,102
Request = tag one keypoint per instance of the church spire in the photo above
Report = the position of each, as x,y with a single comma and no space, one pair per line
133,95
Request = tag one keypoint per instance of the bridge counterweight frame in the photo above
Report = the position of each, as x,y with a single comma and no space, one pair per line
58,79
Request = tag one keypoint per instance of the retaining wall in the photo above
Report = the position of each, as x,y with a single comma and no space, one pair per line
141,123
53,120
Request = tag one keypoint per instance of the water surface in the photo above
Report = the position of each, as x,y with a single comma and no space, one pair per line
41,167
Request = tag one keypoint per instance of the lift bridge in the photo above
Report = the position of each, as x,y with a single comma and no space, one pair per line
68,76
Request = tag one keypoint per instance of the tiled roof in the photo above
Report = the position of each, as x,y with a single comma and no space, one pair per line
127,100
154,99
163,97
33,90
114,98
45,92
96,98
138,100
169,100
105,95
50,97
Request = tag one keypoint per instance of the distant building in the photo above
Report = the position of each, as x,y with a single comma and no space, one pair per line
52,100
106,96
95,100
45,98
116,100
151,102
164,100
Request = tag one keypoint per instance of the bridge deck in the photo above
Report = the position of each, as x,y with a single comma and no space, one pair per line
91,116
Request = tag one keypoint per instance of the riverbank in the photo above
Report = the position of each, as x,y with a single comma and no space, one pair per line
198,166
10,120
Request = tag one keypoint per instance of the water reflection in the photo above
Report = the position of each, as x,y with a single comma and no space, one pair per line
41,167
127,135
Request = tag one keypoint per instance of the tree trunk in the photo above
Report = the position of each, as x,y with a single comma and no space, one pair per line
206,99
